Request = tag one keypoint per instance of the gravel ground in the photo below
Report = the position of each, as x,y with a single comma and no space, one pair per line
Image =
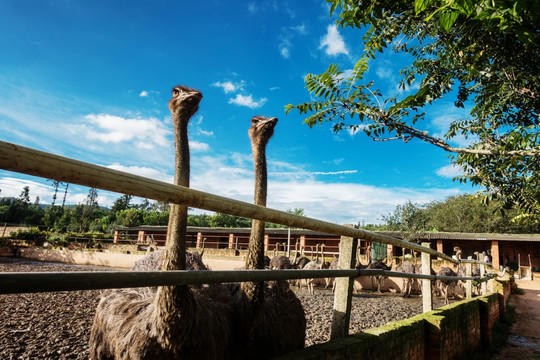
57,325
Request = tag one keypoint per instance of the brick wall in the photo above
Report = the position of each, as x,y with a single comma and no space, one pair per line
451,332
489,313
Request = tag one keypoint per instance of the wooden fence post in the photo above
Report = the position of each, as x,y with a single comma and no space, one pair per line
468,283
427,293
344,288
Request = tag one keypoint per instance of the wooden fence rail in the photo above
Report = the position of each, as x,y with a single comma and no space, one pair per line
34,282
34,162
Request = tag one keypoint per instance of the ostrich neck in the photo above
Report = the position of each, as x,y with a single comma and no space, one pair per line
174,301
254,291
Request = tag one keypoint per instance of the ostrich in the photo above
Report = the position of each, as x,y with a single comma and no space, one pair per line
302,260
418,270
462,271
172,322
271,317
406,267
280,261
313,265
379,264
332,266
445,285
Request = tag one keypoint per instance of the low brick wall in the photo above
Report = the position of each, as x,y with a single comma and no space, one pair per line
451,332
110,259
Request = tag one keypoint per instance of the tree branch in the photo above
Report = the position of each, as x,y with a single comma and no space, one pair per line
424,136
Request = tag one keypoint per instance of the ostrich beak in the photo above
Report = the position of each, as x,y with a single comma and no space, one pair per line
270,121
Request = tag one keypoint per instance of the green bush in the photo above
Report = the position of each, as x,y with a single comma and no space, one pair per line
31,234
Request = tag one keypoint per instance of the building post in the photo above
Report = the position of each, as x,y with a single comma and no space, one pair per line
495,254
266,242
483,286
116,236
341,315
199,240
427,293
440,245
468,283
231,241
141,238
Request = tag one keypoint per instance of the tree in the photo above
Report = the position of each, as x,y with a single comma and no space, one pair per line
87,209
122,203
467,213
409,219
483,54
55,184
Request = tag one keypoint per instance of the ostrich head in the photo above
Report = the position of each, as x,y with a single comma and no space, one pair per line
184,102
261,130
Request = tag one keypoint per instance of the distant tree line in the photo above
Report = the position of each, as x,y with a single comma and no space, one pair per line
460,213
88,216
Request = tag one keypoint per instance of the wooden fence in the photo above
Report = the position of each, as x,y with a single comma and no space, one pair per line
34,162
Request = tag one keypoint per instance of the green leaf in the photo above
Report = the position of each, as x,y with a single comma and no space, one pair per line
421,5
447,19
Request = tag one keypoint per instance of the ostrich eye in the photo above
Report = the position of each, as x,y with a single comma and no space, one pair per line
176,92
254,121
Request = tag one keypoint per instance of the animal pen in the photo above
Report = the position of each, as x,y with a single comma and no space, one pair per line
34,162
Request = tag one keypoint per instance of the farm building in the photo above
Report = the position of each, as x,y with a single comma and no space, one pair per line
503,249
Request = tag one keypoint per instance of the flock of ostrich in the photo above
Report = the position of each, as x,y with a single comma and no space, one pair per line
217,321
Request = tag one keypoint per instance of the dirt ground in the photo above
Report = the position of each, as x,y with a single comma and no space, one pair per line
524,339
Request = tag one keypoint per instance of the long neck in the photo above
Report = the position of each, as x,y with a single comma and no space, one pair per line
174,301
255,258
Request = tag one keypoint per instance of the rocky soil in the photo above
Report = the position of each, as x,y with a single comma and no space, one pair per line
57,325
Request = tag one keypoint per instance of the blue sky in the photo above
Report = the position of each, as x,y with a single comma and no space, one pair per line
91,80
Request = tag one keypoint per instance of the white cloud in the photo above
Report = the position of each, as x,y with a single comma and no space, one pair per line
385,72
248,101
198,146
252,7
143,93
229,86
284,48
298,174
146,133
300,29
143,171
449,171
333,43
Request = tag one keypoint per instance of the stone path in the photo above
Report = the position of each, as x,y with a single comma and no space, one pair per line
524,339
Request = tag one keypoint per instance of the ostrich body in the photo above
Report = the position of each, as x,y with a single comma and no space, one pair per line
406,267
152,261
445,285
173,322
379,264
272,320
